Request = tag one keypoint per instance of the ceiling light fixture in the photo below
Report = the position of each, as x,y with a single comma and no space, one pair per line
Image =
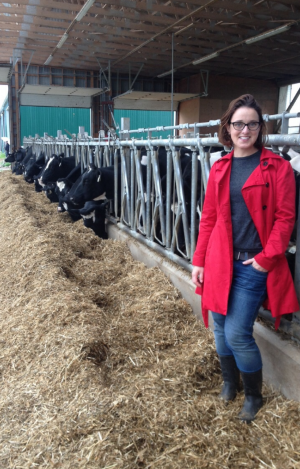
205,58
62,40
84,10
48,60
166,73
270,33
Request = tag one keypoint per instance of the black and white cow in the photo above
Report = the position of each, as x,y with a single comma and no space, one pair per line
64,185
20,154
36,179
50,192
66,191
21,157
93,214
33,168
95,184
56,168
10,158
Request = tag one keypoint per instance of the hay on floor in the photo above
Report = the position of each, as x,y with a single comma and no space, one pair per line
103,364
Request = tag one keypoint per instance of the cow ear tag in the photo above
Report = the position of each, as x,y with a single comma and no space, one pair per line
99,178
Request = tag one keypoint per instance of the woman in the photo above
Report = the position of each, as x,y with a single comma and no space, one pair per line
239,262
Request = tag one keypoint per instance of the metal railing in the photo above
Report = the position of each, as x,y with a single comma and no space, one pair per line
156,208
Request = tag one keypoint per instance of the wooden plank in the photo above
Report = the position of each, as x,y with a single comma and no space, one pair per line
143,15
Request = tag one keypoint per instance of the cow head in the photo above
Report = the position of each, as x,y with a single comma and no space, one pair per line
20,154
49,190
52,168
91,187
34,169
10,158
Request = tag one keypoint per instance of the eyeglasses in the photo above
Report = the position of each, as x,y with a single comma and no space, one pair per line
241,125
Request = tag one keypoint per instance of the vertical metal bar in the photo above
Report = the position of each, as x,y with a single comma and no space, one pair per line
132,187
158,204
116,175
106,156
181,209
76,154
168,199
148,191
83,161
101,158
194,191
204,172
96,162
91,159
284,123
81,157
125,193
140,200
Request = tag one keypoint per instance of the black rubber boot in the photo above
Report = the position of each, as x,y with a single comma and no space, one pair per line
253,397
231,378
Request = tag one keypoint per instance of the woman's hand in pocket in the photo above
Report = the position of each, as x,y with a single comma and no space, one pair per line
255,265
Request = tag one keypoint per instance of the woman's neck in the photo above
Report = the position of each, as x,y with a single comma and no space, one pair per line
241,153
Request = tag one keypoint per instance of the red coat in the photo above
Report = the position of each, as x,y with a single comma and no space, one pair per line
269,194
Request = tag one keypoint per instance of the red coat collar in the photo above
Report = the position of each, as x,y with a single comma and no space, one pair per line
264,154
224,164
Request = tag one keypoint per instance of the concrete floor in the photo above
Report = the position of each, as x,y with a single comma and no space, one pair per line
281,358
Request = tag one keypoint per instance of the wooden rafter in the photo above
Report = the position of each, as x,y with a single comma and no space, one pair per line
124,29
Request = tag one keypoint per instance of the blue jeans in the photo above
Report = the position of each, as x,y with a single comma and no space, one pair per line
234,332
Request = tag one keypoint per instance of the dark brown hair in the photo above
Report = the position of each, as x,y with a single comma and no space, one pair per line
246,100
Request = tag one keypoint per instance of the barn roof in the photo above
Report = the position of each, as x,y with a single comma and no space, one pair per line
138,34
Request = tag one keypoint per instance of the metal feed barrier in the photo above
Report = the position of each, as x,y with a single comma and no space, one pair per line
162,219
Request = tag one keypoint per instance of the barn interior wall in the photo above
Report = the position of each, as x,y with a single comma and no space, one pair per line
189,112
222,90
145,119
37,120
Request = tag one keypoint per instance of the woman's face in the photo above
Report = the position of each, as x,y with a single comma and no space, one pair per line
244,140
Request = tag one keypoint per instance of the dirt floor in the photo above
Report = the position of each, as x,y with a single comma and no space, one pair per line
103,364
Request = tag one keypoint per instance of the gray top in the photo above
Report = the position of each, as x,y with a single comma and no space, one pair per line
245,235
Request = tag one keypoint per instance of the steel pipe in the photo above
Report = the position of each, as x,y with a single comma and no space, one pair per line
157,248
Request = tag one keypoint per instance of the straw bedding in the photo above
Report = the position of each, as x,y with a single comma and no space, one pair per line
103,364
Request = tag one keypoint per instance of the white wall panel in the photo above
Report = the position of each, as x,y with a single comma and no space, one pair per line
55,101
144,105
